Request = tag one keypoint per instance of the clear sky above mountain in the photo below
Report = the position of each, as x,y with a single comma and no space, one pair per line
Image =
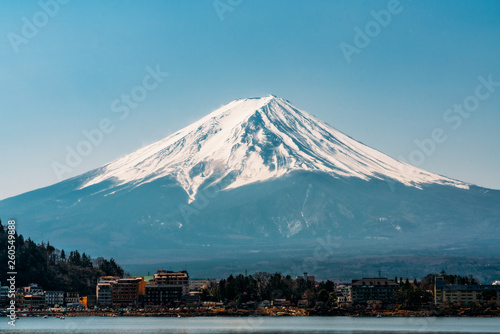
415,80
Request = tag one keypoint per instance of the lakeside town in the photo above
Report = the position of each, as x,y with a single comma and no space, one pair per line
49,282
169,293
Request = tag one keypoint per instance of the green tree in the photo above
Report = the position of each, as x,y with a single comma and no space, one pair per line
332,300
39,263
488,295
323,296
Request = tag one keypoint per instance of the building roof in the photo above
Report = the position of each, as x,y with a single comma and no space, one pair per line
134,279
374,282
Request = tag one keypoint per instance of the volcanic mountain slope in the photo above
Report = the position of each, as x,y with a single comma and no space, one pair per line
252,140
256,175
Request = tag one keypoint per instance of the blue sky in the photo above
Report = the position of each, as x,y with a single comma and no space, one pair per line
63,78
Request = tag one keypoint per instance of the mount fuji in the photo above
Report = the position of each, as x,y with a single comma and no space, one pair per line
262,180
254,140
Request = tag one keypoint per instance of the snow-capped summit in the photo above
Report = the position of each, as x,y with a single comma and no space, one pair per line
256,139
262,181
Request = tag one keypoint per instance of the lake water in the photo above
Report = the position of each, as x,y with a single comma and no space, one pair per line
303,325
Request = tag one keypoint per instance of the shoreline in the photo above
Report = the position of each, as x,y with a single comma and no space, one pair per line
271,312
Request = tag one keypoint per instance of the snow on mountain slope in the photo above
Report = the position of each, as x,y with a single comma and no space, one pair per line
256,139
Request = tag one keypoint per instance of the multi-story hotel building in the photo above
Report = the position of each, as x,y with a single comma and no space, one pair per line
127,291
371,289
453,293
103,290
166,288
54,298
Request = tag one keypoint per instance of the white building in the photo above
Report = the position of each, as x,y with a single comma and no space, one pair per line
343,293
33,289
200,284
170,278
103,290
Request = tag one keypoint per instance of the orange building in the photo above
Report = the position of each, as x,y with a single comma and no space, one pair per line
83,300
127,291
